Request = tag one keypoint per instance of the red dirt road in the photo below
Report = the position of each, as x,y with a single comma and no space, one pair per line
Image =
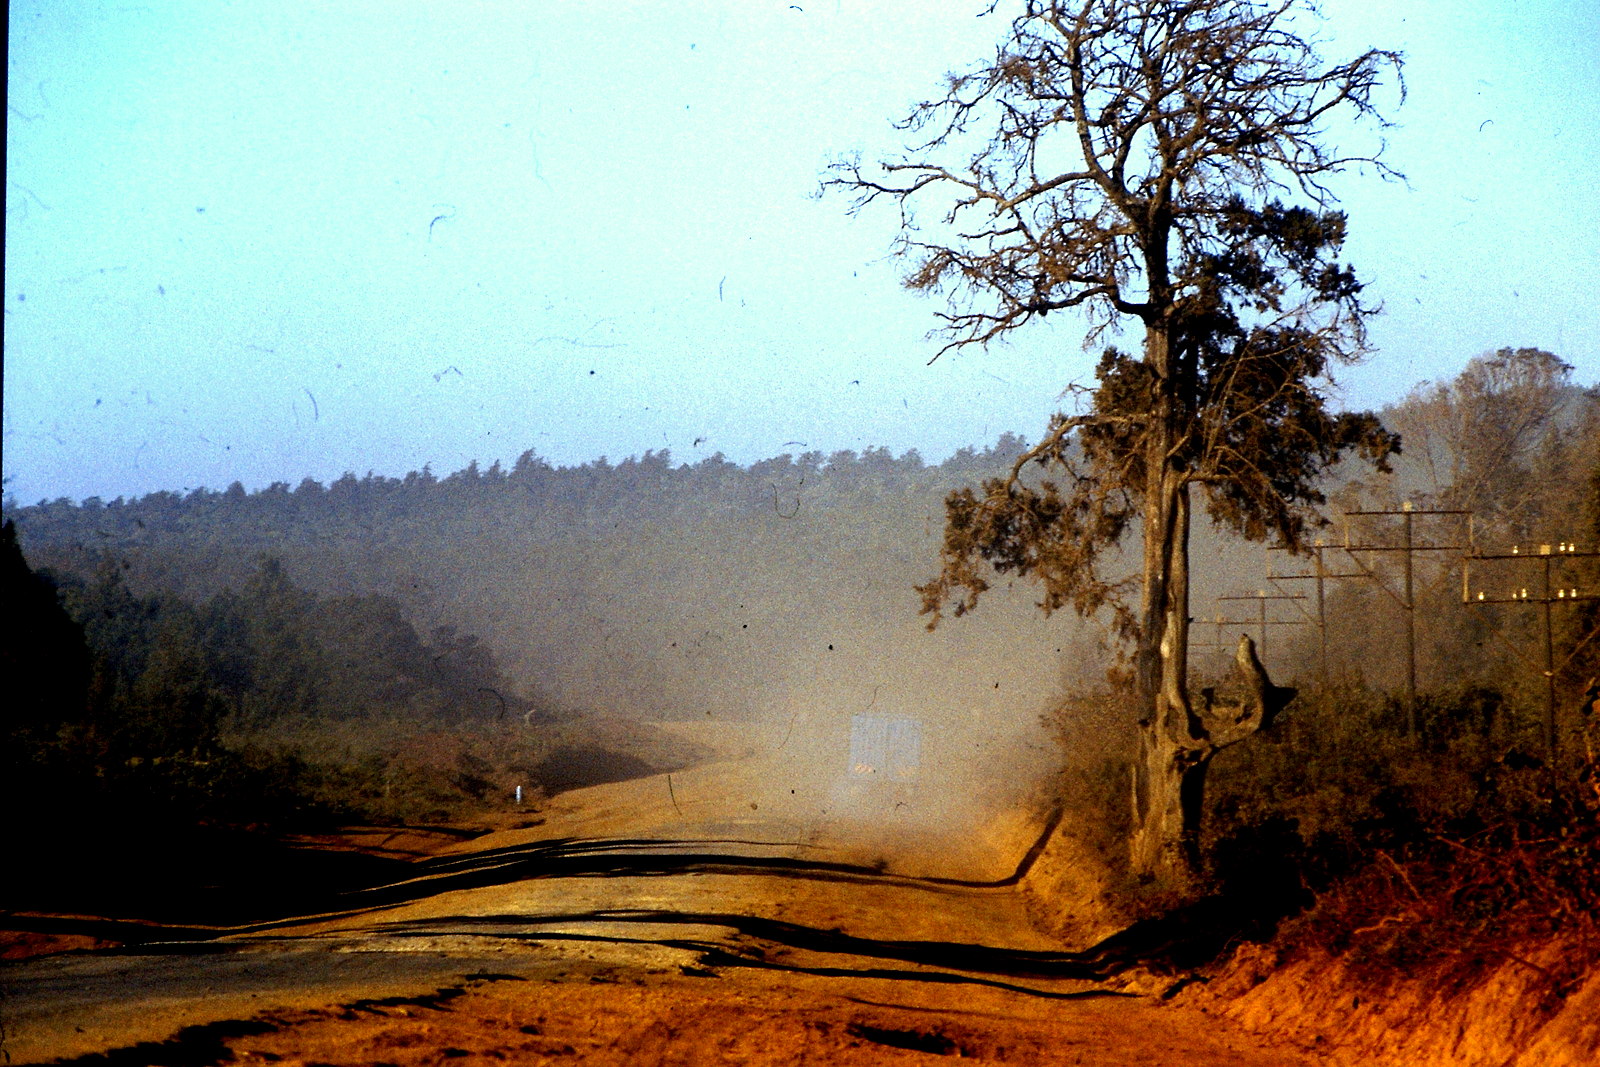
645,922
743,1017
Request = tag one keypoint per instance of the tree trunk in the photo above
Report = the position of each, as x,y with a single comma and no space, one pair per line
1176,748
1161,842
1169,777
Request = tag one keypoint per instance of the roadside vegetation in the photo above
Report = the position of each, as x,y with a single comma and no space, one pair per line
266,706
1405,852
1439,841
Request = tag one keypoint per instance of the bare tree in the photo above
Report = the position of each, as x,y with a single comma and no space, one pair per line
1131,159
1478,439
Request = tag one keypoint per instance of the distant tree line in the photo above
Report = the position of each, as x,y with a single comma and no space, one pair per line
648,488
655,588
644,587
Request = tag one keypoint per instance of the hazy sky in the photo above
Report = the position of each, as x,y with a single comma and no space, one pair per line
265,241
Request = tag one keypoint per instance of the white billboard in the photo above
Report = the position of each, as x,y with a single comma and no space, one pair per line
885,747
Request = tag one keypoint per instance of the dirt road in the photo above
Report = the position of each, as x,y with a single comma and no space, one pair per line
651,921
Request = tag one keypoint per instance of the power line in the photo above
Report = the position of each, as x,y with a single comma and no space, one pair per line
1568,591
1261,596
1408,547
1321,575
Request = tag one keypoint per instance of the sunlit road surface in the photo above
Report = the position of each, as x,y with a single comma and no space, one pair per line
722,870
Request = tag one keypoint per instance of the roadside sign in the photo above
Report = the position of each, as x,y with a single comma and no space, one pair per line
888,748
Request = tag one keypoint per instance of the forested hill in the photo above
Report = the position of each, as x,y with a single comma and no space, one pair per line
641,588
650,589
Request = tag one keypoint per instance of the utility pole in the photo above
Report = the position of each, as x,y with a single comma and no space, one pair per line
1411,629
1406,599
1321,575
1567,590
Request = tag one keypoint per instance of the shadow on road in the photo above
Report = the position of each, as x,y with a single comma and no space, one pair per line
1177,941
204,886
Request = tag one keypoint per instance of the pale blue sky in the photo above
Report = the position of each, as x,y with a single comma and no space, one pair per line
263,241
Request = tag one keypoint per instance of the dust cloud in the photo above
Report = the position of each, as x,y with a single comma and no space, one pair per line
793,644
